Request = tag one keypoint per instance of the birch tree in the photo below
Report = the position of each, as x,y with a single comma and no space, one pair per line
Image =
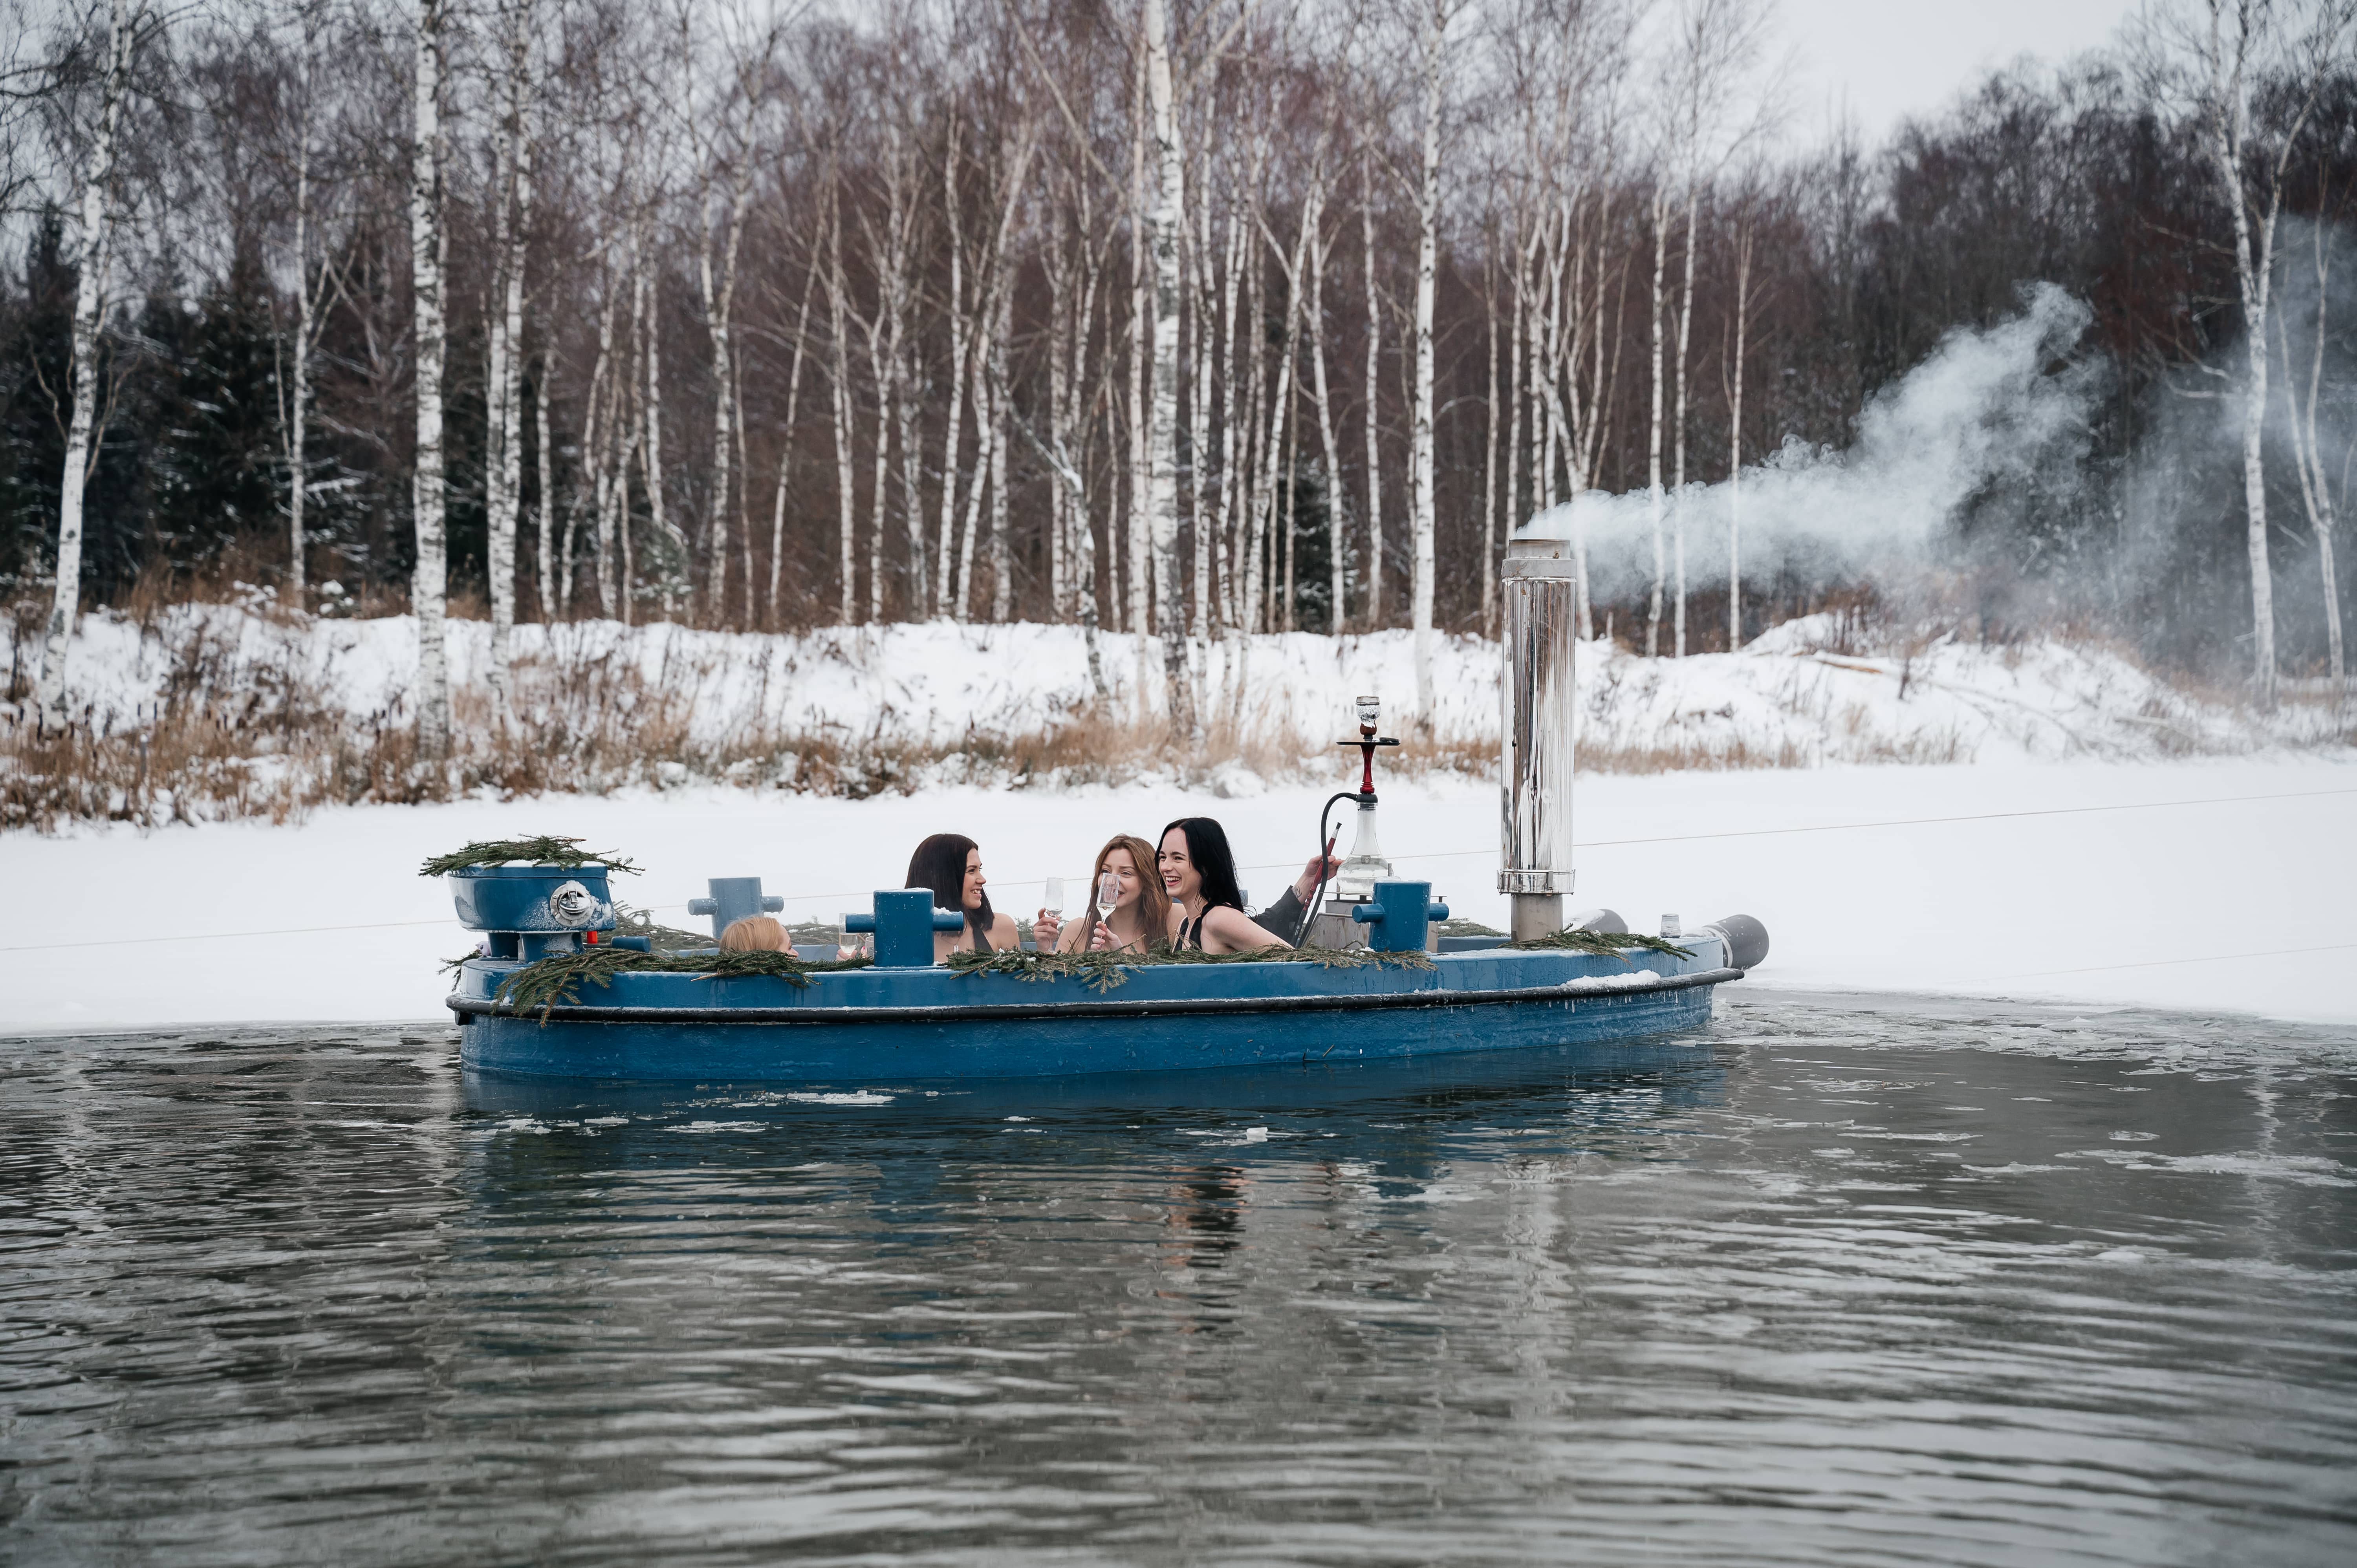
2209,55
503,385
1742,325
1435,26
1716,41
721,137
2307,452
311,288
428,244
1164,221
94,239
1336,529
1375,615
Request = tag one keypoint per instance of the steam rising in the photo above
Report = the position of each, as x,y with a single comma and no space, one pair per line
1981,422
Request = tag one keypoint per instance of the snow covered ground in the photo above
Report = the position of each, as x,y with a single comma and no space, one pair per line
1811,691
2225,884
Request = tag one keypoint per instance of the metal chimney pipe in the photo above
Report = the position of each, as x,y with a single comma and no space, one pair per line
1542,643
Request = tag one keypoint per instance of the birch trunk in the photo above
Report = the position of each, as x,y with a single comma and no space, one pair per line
904,421
1232,421
786,439
503,477
1374,396
1514,398
1201,331
1060,381
2227,133
596,436
1164,221
1137,560
951,594
1653,442
1427,256
428,242
720,308
544,479
879,503
1734,445
305,332
2315,484
1002,571
678,569
1490,465
845,475
961,595
1678,483
1337,534
632,447
91,266
602,445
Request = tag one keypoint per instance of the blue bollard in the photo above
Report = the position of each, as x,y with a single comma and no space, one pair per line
1399,915
533,899
904,932
733,899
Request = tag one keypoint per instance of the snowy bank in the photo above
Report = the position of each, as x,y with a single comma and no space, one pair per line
320,708
2215,885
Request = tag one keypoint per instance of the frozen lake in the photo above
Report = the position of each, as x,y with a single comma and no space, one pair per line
1841,1280
2218,887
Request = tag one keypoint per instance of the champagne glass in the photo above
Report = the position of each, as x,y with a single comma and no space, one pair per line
1108,892
1052,896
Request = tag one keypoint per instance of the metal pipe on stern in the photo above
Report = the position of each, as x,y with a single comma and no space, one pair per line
1540,698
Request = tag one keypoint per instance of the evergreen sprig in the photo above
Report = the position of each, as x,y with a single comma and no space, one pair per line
557,980
1603,944
661,938
541,851
1101,971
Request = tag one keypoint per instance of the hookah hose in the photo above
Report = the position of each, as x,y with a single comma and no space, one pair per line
1325,854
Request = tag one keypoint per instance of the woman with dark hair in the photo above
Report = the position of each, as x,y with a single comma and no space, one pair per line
949,865
1207,906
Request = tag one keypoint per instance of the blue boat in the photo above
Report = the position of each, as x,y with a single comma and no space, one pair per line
1380,984
905,1019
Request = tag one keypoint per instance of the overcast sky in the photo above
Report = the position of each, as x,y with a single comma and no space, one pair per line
1889,57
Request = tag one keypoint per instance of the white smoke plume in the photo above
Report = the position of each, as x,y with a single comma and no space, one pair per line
1985,415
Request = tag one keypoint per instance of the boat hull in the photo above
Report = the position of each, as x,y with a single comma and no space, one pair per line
919,1025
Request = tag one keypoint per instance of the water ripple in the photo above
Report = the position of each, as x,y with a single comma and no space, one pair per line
1955,1284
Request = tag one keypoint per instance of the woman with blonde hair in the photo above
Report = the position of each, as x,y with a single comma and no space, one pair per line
1139,918
754,933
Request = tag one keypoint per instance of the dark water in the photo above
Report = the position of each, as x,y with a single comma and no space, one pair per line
1946,1283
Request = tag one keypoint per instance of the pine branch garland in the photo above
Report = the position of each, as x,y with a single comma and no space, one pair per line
557,980
1603,944
542,851
1102,972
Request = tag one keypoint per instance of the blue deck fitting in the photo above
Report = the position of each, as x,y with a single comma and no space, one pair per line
904,923
735,898
1400,915
533,899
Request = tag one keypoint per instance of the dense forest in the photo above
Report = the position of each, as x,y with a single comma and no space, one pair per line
1214,318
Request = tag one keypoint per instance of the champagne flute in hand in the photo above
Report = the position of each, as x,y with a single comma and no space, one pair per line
1108,895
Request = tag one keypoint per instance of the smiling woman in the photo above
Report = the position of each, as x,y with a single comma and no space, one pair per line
1198,872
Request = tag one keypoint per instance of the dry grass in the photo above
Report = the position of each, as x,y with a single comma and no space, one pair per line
239,732
243,727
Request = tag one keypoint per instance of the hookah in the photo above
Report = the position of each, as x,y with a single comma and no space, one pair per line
1355,882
